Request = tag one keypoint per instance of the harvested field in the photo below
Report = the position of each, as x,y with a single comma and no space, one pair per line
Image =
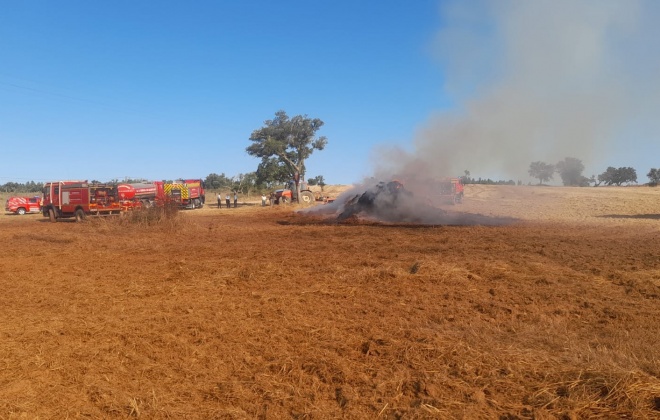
261,312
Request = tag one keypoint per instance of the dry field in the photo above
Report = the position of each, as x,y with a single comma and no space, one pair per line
265,313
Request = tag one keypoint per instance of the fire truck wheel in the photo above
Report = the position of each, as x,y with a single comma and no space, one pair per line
51,215
21,211
80,215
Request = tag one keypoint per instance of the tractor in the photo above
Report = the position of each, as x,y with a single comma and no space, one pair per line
288,194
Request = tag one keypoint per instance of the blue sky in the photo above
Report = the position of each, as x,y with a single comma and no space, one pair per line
103,90
165,90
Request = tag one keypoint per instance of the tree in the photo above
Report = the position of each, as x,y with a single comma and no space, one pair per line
215,182
654,176
317,180
465,179
244,183
570,171
271,172
608,176
617,176
290,141
541,170
628,175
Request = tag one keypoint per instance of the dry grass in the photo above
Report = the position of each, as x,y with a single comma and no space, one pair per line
262,313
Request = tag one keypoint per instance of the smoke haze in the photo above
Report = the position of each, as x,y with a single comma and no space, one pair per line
538,80
380,201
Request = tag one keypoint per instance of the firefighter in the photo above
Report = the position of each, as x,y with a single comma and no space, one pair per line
219,201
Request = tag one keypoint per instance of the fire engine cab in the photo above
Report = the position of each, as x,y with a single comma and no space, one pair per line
64,199
186,193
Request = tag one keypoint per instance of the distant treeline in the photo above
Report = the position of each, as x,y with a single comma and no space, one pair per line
16,187
468,180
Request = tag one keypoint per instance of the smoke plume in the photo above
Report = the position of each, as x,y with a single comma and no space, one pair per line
537,80
392,202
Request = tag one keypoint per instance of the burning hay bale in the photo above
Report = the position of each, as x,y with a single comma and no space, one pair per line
386,201
392,202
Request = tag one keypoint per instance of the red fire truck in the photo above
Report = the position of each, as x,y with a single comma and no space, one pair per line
188,193
137,195
451,190
22,205
64,199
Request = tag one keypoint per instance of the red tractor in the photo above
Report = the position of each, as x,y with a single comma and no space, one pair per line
288,194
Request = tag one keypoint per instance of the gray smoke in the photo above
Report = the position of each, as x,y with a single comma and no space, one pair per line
531,80
392,202
537,80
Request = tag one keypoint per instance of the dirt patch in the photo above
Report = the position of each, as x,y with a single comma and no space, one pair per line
260,312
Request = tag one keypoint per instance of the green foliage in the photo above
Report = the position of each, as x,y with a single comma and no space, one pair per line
271,172
594,180
654,176
127,180
570,170
618,176
217,182
488,181
283,144
317,180
245,183
541,171
15,187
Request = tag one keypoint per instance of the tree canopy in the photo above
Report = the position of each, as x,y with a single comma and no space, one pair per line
286,143
15,187
654,176
570,170
317,180
618,176
215,182
540,170
270,172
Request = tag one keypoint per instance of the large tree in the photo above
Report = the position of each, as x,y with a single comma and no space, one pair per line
654,176
541,171
570,171
290,141
618,176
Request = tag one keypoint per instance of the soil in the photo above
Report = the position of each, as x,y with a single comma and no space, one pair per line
260,312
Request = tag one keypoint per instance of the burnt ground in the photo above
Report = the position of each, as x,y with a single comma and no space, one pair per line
266,313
